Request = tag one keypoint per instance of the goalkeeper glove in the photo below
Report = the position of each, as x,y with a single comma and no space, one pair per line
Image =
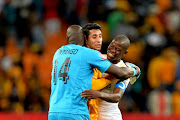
137,71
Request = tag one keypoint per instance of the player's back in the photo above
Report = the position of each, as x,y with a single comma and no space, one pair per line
71,74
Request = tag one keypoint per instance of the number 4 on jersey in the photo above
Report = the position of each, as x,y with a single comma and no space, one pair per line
63,73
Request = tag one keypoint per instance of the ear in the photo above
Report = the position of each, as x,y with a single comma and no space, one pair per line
85,40
125,52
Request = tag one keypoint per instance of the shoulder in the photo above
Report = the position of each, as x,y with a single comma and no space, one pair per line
121,64
90,51
105,55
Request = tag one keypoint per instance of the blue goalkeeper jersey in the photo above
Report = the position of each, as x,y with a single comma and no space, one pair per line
71,74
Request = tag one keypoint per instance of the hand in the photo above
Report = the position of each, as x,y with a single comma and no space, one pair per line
90,94
137,70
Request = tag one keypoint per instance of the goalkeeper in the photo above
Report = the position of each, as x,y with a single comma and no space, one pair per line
106,108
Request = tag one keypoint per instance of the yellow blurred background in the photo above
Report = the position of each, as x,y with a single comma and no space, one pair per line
32,30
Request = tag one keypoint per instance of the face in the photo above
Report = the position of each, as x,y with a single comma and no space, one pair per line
94,39
115,51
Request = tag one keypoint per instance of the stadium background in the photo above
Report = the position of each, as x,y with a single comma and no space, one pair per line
32,30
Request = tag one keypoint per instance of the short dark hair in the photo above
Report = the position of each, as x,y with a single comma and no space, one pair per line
88,27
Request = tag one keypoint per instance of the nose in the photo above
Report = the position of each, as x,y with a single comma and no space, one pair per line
99,40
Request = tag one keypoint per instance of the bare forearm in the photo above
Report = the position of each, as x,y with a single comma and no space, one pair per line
110,97
120,72
126,73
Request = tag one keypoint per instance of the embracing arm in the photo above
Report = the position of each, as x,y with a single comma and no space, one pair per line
117,94
120,72
124,72
112,97
109,97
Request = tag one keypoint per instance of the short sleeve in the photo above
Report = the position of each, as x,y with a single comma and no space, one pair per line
97,60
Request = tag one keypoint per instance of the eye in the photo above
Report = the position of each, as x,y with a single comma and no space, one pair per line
100,36
118,50
94,36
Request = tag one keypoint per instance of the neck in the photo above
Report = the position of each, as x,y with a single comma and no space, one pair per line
115,61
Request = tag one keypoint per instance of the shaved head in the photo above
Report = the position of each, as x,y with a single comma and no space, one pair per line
75,35
118,48
123,40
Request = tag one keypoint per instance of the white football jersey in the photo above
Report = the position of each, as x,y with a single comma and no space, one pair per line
107,110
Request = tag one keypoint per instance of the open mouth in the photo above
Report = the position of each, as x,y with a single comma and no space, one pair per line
110,55
98,45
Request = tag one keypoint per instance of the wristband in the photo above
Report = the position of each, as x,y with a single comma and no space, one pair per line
135,71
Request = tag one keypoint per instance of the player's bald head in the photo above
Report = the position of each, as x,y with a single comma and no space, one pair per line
75,35
123,40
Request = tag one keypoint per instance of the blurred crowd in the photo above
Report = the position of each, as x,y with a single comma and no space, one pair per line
32,30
